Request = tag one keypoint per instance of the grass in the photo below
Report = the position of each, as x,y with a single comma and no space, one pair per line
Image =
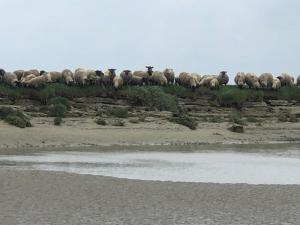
216,119
118,123
101,121
14,117
118,112
57,121
184,119
287,117
251,119
236,117
231,96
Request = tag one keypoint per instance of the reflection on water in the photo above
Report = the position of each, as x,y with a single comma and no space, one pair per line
216,167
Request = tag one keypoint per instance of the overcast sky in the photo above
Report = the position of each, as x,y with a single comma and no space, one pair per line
203,36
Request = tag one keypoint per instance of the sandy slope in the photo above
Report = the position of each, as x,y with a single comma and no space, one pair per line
85,132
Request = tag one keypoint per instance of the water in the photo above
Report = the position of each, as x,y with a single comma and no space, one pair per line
206,166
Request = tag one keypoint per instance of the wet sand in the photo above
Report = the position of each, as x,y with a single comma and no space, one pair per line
34,197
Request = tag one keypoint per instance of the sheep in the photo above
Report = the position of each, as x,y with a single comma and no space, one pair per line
55,76
80,76
126,75
29,72
170,75
2,72
223,78
67,77
240,79
136,80
145,75
198,78
276,84
252,80
25,80
298,80
39,81
187,80
158,78
214,83
286,79
266,80
11,79
19,74
118,83
108,77
205,81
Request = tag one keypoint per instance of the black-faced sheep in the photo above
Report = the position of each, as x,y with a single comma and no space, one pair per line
108,77
145,75
266,80
2,72
286,79
298,80
223,78
126,75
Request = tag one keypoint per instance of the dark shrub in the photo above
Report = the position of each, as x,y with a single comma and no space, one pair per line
101,121
185,120
57,110
14,117
118,112
118,123
57,121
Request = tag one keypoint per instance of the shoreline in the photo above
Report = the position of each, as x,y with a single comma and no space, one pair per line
87,199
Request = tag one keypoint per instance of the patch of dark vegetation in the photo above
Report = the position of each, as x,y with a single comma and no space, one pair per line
118,112
57,110
101,121
236,117
251,119
14,117
57,121
237,129
183,118
153,97
118,123
230,96
216,119
60,100
286,116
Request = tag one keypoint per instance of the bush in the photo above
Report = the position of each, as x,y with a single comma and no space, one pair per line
236,117
118,123
293,118
57,110
57,121
118,112
101,121
185,120
237,129
153,97
142,118
233,96
60,100
14,117
287,117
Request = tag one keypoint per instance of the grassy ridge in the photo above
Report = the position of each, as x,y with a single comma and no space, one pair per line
161,98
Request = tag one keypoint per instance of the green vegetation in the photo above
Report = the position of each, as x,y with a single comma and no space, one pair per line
237,129
118,112
252,120
184,119
101,121
153,97
287,117
118,123
57,121
57,110
60,100
230,96
236,117
14,117
216,119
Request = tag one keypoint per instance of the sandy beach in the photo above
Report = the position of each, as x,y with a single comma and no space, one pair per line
84,132
33,197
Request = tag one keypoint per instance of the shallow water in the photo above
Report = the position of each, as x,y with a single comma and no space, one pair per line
277,167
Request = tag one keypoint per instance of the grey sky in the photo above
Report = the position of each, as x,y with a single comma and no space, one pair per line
203,36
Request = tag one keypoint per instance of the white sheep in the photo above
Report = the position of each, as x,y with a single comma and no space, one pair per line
118,83
67,77
240,79
158,78
276,84
252,80
286,79
266,80
10,79
187,80
170,75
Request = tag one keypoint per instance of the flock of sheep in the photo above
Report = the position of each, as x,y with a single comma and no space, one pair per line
34,78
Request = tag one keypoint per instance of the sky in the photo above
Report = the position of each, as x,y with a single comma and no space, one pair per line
204,36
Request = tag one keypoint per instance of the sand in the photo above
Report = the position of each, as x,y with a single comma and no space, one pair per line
83,132
43,198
